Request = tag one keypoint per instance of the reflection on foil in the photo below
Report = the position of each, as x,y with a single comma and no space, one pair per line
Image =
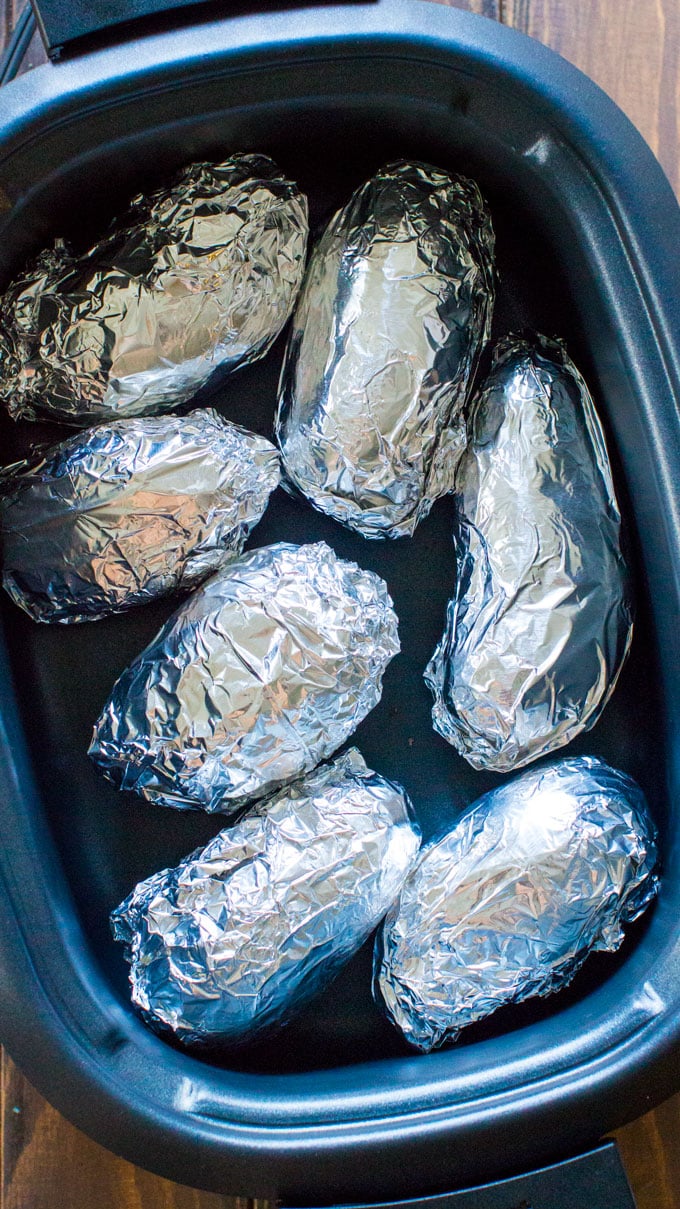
266,670
129,511
507,905
541,619
245,931
200,274
394,312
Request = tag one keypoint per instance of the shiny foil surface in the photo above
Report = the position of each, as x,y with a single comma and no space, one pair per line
129,511
541,617
507,905
245,931
198,274
266,670
393,314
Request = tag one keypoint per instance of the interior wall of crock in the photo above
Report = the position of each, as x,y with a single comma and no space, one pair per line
71,186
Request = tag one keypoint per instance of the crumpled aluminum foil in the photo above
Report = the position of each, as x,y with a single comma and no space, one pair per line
534,876
394,312
541,619
245,931
266,670
130,511
199,274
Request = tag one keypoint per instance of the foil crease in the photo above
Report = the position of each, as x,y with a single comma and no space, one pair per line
534,876
541,619
242,933
199,274
266,670
394,312
130,511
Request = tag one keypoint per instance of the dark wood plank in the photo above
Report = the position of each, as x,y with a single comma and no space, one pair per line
6,22
35,55
485,8
10,11
48,1164
631,48
650,1148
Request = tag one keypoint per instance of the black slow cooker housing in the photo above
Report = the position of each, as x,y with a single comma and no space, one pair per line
336,1108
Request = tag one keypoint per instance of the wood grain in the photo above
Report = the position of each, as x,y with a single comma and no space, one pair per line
650,1149
6,22
485,8
9,14
35,55
632,49
49,1164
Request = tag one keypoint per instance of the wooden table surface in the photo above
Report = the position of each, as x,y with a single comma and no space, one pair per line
632,49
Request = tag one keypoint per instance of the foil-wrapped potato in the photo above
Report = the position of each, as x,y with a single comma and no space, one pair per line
242,933
266,670
508,904
393,314
541,618
129,511
198,274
